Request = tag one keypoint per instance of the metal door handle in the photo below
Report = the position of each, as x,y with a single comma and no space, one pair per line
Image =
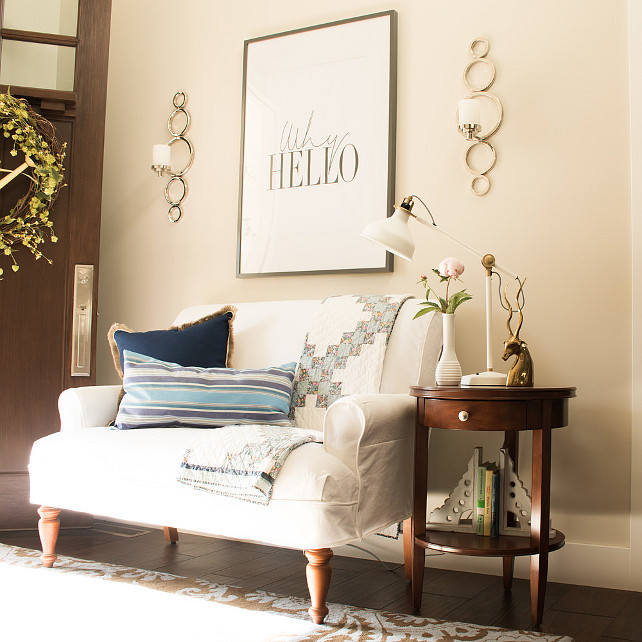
81,329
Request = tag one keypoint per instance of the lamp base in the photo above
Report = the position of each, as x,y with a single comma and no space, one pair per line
488,378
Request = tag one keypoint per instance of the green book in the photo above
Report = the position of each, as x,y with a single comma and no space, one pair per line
494,509
480,490
488,498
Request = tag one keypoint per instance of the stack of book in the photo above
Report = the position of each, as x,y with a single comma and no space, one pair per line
487,499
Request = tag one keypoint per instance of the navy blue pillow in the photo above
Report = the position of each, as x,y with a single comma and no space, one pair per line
205,343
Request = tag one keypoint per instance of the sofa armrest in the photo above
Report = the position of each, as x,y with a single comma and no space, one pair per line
374,435
356,424
88,406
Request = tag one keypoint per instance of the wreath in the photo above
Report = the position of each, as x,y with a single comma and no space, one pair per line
28,222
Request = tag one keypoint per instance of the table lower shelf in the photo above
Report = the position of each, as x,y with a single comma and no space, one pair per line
471,544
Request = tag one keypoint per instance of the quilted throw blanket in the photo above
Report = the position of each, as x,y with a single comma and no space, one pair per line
343,354
241,461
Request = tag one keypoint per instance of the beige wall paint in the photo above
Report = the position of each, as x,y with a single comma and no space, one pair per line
635,76
558,211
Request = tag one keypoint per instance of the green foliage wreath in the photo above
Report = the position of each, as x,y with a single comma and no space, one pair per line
28,221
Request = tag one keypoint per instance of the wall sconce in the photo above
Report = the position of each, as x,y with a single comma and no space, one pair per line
161,157
469,116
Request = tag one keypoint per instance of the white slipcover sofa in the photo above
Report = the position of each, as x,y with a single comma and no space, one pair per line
355,483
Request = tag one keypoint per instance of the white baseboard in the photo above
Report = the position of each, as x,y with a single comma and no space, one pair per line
583,564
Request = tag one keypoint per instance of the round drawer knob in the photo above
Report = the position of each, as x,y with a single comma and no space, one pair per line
463,415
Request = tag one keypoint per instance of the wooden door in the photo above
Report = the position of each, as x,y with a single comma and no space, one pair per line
36,303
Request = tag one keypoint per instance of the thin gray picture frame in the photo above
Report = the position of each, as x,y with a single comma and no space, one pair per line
388,262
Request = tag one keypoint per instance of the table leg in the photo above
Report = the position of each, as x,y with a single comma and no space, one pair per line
408,543
508,568
418,519
540,512
511,445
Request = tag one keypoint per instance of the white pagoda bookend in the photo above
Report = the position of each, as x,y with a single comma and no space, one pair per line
457,512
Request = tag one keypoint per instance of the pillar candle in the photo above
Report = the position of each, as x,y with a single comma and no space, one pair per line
161,155
469,112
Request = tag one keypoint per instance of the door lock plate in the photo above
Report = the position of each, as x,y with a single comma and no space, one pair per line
81,329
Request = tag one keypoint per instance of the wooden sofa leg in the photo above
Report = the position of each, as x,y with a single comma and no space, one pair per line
318,572
48,527
171,534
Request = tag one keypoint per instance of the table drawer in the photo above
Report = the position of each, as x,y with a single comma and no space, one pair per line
474,415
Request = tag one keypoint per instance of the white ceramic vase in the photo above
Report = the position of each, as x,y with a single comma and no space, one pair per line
448,372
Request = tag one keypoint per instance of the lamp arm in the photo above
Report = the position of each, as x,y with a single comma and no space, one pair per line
433,225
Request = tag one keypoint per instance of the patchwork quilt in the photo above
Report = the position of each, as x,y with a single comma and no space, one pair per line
343,354
241,461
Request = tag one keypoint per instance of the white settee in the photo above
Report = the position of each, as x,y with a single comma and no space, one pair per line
357,482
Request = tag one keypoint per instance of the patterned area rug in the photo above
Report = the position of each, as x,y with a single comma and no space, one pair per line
80,599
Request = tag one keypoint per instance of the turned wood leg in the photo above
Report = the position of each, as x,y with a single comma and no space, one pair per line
48,527
318,572
171,534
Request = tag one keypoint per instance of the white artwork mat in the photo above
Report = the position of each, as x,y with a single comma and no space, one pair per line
318,147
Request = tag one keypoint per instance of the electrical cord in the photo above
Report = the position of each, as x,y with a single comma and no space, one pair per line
520,292
392,569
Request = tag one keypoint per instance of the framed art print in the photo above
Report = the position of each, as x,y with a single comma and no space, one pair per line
318,147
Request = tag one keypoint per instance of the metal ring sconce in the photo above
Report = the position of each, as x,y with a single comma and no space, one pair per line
161,166
480,183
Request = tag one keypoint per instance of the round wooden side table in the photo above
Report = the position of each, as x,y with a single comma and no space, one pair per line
489,408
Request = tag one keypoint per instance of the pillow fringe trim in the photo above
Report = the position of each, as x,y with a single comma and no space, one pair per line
230,335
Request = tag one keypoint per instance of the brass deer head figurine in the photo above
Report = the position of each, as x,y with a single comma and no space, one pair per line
521,372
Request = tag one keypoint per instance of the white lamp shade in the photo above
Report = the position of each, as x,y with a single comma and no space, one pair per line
393,234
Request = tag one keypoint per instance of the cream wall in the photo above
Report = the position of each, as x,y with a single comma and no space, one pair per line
635,75
558,211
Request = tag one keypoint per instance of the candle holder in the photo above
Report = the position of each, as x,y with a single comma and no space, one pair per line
470,130
161,169
161,157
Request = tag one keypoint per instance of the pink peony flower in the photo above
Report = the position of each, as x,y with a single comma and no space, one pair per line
451,267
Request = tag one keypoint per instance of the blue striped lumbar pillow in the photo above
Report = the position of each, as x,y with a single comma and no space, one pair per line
159,394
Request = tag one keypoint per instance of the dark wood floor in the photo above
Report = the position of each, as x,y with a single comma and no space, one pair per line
584,613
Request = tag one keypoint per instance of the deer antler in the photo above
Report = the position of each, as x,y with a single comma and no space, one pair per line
519,308
510,312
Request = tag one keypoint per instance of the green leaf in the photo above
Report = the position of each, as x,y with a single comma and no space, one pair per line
425,311
456,300
443,304
431,305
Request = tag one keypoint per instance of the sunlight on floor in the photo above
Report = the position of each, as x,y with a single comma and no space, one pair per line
35,601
